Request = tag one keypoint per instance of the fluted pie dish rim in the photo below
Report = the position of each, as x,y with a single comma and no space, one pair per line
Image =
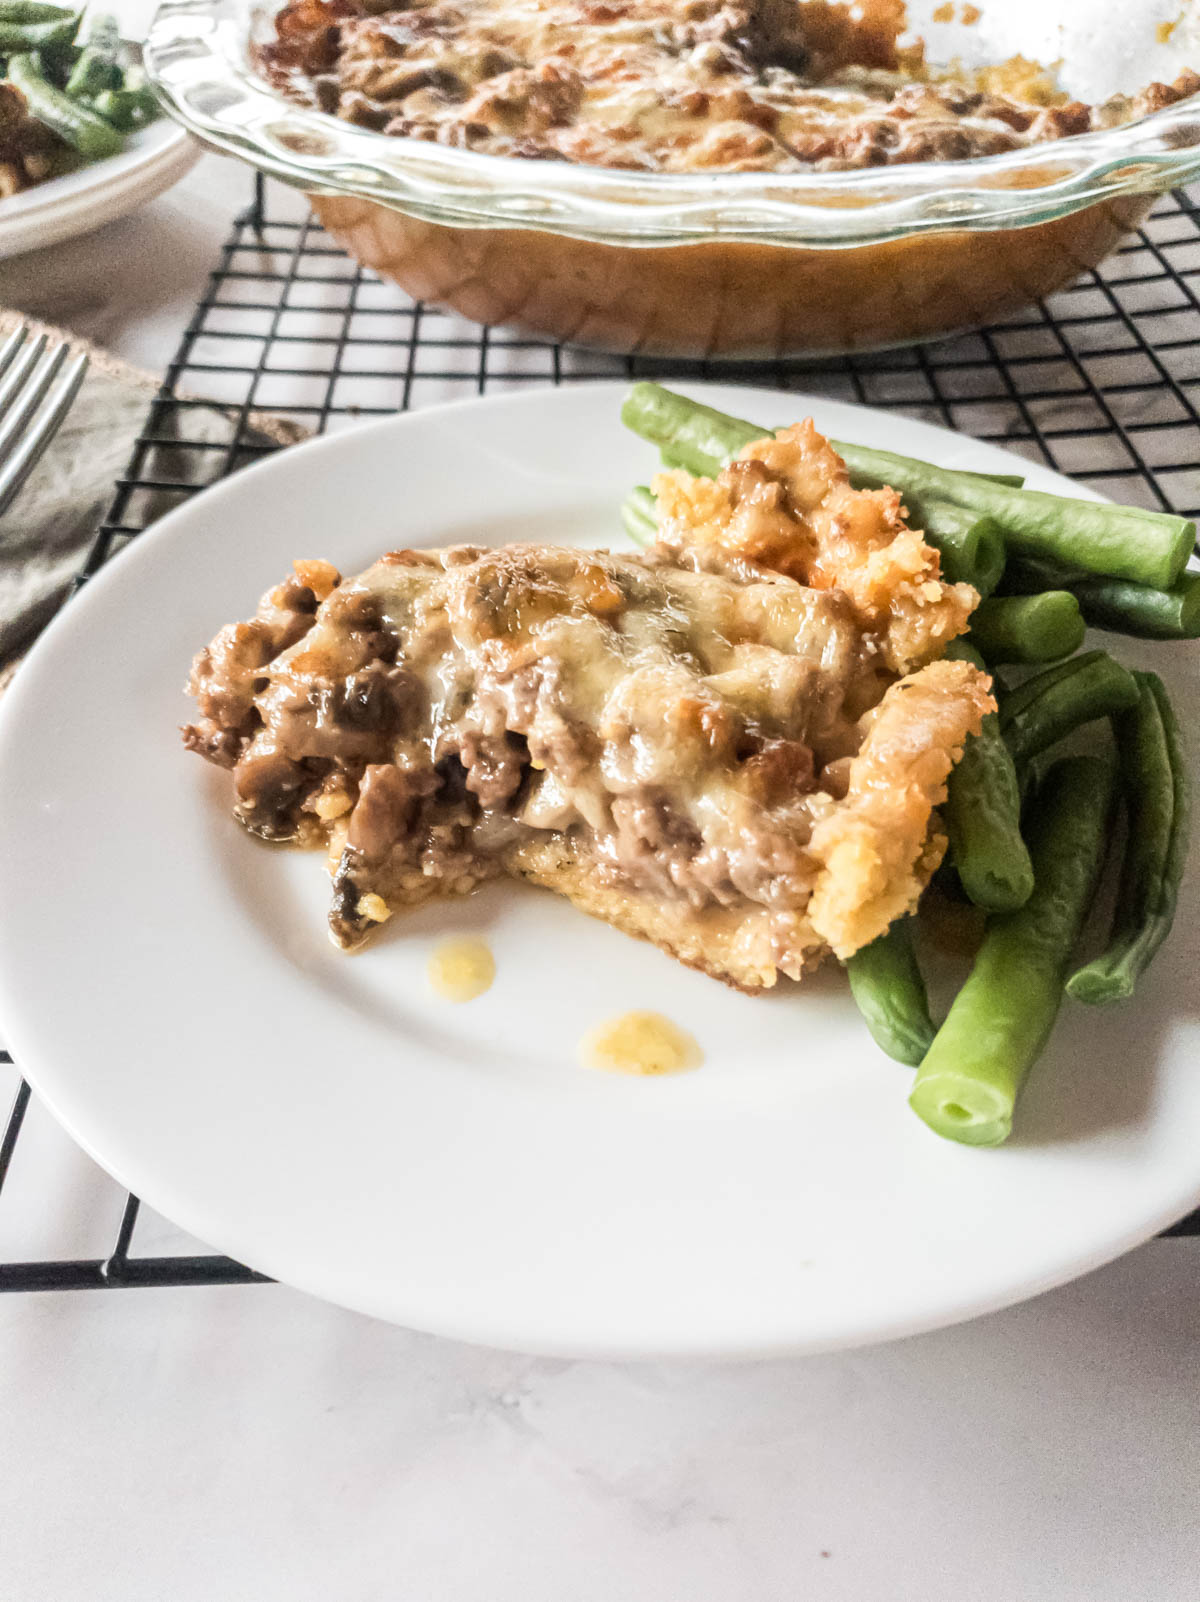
198,56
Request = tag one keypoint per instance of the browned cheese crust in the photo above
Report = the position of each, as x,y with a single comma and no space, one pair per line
670,85
732,745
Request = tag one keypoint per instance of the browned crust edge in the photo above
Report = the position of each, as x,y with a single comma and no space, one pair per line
681,933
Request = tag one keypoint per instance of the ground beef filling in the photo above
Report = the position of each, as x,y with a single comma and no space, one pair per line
659,85
549,713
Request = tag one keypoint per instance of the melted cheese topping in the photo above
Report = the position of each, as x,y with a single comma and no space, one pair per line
732,743
665,85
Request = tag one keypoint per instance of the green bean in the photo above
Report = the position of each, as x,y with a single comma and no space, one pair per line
689,435
1011,480
671,458
1028,628
967,1087
1018,698
983,815
867,480
75,124
1025,577
639,515
1094,535
97,70
1155,782
970,546
56,63
701,440
1149,548
1125,608
23,11
22,38
1008,480
886,984
32,14
29,27
126,109
1117,605
1096,690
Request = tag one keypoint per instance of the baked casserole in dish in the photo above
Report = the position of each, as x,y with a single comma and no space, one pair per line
749,179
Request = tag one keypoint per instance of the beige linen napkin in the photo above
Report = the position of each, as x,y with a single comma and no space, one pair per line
46,533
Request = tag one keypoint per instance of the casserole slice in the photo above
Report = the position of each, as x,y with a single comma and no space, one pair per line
705,752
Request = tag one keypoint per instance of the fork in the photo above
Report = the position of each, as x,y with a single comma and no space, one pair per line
31,410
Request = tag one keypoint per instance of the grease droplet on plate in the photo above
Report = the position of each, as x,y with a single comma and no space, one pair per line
462,968
641,1043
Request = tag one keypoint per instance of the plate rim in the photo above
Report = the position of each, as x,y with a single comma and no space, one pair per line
54,208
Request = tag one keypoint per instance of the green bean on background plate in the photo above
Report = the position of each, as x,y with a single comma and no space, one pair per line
126,109
78,127
966,1088
886,984
77,88
97,68
24,38
28,25
1156,787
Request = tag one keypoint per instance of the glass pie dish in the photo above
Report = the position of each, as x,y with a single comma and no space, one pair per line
735,265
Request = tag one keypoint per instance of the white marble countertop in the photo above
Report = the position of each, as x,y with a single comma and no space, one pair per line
253,1443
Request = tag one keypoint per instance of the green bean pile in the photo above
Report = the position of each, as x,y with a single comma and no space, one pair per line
66,95
1028,834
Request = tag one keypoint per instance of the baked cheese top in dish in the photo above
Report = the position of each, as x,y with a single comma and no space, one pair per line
670,85
732,744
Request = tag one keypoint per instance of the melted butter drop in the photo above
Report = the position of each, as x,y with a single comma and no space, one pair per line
461,969
640,1043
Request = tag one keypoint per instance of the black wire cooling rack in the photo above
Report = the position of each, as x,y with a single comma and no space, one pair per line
1101,382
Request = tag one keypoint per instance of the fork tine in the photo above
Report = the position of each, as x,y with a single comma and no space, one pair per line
21,368
28,401
31,449
11,346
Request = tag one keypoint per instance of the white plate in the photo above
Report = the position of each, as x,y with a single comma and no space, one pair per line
154,158
168,986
